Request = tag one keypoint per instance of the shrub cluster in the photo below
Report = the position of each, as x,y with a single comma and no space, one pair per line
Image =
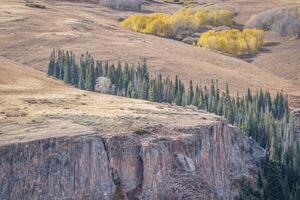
285,21
232,41
186,19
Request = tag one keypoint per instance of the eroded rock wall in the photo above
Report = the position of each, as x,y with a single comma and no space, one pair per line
190,163
59,168
201,163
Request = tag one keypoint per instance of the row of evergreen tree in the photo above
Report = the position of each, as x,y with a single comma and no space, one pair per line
260,116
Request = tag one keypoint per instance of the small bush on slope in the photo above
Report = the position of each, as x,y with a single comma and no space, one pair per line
232,41
184,20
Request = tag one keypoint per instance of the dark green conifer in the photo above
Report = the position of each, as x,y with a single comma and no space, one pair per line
51,64
82,70
90,75
67,69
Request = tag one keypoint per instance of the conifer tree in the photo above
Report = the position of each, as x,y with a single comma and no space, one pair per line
90,75
153,91
274,187
119,77
51,64
98,70
159,88
105,71
61,61
73,70
145,90
190,94
81,81
297,193
67,69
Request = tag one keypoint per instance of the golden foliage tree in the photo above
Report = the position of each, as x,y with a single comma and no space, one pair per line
232,41
186,19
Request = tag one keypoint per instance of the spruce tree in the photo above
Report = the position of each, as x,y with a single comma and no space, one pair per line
61,61
74,71
274,188
153,91
105,70
81,81
145,89
297,193
159,88
111,74
98,70
90,76
51,64
190,95
67,69
119,77
126,77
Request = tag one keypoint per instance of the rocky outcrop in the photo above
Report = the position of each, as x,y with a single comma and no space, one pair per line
190,40
59,168
205,162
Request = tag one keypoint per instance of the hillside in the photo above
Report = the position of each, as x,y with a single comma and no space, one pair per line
60,142
32,103
32,33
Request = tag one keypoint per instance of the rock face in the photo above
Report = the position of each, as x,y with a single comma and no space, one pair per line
203,162
59,168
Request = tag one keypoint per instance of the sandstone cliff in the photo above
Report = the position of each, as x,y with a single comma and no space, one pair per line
205,162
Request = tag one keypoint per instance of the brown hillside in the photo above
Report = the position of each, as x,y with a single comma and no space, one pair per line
34,106
29,34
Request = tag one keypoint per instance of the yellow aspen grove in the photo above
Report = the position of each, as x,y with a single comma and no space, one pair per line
232,41
185,19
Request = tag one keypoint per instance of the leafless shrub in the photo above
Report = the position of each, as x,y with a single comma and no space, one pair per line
285,21
123,4
103,85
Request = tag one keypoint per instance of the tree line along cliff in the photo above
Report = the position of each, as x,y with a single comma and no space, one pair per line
265,119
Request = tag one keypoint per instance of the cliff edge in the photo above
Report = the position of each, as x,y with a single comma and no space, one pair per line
58,142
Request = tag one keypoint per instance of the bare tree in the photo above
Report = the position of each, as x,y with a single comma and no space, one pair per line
123,4
103,85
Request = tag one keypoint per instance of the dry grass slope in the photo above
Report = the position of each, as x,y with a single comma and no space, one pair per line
28,35
34,106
